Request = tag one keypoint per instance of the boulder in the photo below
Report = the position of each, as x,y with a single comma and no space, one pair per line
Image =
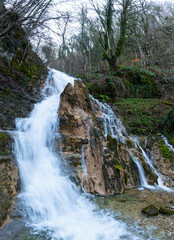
166,211
150,210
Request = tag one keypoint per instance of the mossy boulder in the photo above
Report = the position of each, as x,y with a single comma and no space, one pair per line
166,211
150,211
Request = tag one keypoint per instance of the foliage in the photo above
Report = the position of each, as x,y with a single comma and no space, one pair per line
112,143
165,151
104,98
125,82
119,167
142,116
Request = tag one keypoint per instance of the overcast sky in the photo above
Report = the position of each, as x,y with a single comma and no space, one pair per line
74,6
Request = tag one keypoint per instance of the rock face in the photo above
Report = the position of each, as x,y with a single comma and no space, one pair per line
164,164
110,169
9,177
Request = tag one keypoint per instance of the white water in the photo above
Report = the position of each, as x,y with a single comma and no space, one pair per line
160,183
167,143
111,124
141,172
114,127
50,200
83,162
84,173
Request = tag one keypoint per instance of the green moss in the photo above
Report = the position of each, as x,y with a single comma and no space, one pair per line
112,142
119,167
4,141
171,140
150,210
168,103
166,211
125,82
3,136
165,151
142,116
130,143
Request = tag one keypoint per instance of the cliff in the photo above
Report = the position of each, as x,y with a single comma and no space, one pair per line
110,168
22,73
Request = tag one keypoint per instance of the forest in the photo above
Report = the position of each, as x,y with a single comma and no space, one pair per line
98,35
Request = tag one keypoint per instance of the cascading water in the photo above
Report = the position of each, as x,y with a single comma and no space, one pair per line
51,201
83,166
111,124
167,143
148,160
114,127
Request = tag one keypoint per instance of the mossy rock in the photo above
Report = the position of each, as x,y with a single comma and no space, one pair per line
150,211
125,82
166,153
166,211
112,142
3,138
5,142
143,116
130,143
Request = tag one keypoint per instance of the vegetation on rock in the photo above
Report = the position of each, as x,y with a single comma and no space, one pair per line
150,210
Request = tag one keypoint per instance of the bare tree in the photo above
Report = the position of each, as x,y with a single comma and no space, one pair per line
112,40
29,14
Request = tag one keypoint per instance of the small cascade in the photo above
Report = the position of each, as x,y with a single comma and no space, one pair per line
83,166
149,162
111,124
167,143
83,162
114,127
143,180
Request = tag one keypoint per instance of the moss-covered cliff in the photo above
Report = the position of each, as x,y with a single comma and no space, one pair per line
22,73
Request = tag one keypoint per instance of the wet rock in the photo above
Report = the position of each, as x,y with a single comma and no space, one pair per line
166,211
12,229
150,210
169,234
110,169
9,177
162,164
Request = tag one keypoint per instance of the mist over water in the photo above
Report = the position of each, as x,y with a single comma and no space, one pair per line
51,202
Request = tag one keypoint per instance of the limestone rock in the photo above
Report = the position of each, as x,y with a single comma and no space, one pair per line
163,166
9,177
110,169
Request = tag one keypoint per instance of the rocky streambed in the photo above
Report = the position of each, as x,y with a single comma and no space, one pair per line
128,207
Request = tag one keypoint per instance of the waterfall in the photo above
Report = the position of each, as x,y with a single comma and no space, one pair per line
149,162
83,166
111,124
143,180
114,127
167,143
51,202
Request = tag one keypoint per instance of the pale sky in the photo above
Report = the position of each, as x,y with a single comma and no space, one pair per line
74,6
